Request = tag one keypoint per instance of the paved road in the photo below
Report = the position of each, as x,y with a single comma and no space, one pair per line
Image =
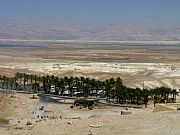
9,91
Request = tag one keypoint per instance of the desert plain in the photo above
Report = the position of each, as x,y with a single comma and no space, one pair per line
154,65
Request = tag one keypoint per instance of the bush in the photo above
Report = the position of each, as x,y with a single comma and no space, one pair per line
84,102
28,123
4,121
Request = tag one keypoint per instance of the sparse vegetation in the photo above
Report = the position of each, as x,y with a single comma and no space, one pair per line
28,123
84,102
4,121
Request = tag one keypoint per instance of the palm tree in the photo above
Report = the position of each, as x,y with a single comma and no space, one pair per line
77,83
1,80
120,92
20,78
98,86
146,94
82,79
31,80
44,82
61,85
35,82
55,82
7,84
24,80
16,82
70,84
87,86
167,93
107,88
139,94
17,75
174,93
155,95
11,82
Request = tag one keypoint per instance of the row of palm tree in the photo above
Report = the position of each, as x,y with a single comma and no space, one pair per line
113,89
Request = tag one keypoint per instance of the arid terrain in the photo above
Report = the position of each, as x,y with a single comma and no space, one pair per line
90,67
58,119
156,65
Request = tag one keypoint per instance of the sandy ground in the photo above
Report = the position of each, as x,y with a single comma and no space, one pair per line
19,107
155,65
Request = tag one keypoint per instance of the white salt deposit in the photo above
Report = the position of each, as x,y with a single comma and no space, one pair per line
154,73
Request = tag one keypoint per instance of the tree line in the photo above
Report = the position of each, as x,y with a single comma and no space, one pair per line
113,88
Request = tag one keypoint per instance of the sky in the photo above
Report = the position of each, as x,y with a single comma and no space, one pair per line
92,11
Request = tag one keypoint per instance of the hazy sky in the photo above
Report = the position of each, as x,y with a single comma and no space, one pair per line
92,11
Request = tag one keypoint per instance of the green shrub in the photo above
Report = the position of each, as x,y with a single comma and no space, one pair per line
4,121
28,123
84,102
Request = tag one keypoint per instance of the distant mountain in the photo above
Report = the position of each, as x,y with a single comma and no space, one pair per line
62,31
